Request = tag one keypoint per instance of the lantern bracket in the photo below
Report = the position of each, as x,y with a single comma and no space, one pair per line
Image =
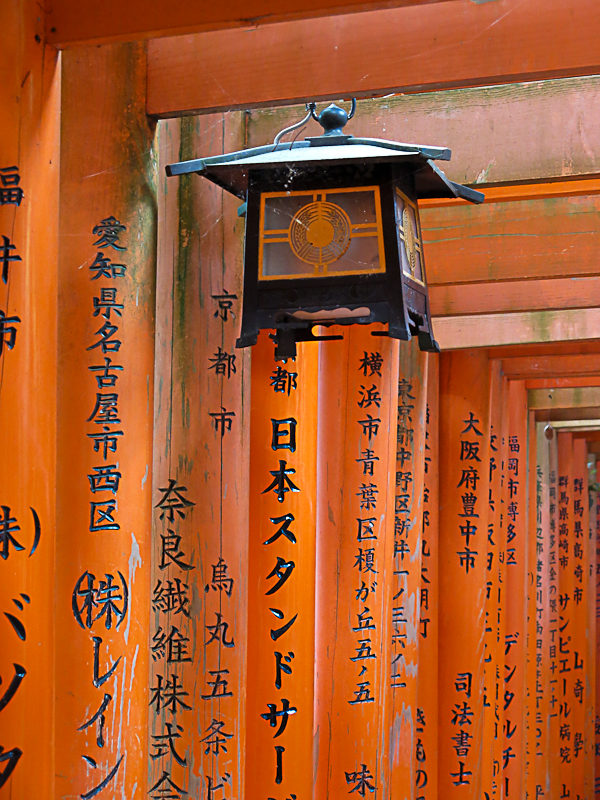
286,339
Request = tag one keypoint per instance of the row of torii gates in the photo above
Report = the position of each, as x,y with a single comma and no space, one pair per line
367,572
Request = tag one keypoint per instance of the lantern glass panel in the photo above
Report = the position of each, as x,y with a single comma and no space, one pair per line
409,234
311,234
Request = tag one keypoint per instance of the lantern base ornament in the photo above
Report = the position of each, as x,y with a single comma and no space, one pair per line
333,235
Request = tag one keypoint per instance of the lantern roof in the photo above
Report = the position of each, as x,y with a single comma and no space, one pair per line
231,171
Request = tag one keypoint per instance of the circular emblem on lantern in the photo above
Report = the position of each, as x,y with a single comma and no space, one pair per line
410,240
320,233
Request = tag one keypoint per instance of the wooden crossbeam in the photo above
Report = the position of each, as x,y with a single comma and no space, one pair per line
517,133
488,330
536,295
550,366
552,399
553,238
445,45
561,383
70,23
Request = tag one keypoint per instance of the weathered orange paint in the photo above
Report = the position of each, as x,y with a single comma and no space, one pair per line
553,599
188,448
539,646
559,383
464,417
67,25
530,670
547,366
427,688
596,605
101,92
272,445
516,295
29,139
395,50
562,636
410,761
492,725
515,509
481,126
348,735
515,241
499,700
579,562
592,697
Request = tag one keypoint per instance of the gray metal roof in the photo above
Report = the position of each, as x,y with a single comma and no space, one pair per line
230,171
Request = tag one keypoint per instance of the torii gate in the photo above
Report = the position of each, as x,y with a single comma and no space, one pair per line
139,649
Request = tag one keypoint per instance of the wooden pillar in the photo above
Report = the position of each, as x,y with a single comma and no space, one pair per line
564,637
553,595
29,163
200,489
106,293
596,521
578,553
355,545
492,731
464,492
281,576
426,753
590,610
515,510
530,672
408,616
541,642
499,712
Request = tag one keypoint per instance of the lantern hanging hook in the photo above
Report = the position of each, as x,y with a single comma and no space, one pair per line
310,108
332,119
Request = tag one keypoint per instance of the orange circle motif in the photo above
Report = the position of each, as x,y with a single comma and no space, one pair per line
320,233
410,240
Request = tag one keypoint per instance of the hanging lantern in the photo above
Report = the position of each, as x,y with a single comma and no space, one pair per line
333,235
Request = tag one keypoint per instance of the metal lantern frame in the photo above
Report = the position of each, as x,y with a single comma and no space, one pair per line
393,292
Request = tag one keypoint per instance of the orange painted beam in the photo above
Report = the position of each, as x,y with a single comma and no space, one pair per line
591,347
482,127
559,383
445,45
488,330
510,241
100,23
551,365
510,296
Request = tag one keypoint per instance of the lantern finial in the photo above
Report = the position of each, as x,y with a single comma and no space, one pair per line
333,119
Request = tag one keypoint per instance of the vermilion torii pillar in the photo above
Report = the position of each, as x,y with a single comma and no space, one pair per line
464,499
515,638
